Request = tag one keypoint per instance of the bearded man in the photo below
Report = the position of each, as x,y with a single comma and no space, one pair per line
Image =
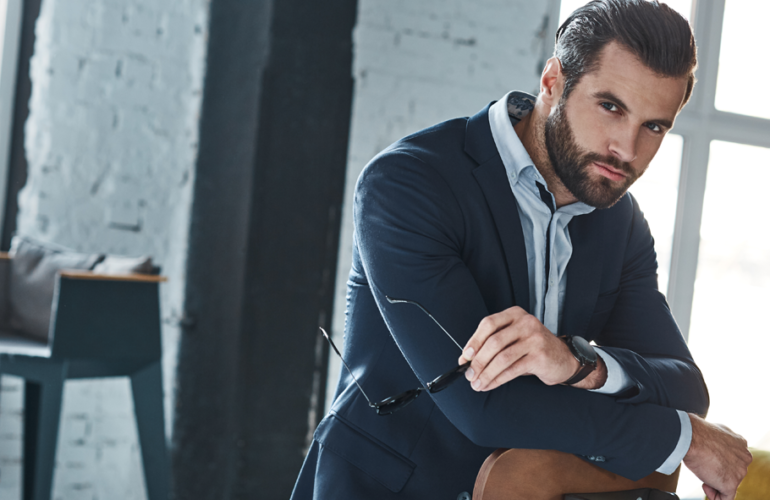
513,231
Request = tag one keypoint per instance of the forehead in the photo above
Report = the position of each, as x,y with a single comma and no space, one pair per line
644,91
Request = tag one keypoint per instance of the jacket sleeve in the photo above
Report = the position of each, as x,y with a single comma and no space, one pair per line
409,230
643,337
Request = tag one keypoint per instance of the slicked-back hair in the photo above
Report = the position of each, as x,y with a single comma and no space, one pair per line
655,33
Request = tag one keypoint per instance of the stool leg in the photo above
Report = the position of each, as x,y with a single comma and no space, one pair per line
147,387
42,411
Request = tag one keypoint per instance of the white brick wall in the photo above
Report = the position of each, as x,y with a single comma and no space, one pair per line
111,143
419,62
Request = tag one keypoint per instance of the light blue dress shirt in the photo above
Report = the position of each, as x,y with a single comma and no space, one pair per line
539,224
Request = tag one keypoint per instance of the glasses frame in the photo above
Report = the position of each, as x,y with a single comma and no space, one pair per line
392,404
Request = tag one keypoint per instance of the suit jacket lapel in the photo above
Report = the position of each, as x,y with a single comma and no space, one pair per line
491,176
584,272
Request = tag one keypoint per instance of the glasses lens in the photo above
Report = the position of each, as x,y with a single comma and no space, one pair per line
442,381
395,403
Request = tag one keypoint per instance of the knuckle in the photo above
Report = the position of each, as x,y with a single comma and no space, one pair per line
495,342
506,357
487,323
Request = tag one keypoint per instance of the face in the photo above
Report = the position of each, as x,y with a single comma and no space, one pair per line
604,135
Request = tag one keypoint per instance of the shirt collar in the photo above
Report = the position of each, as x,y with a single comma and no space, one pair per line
503,115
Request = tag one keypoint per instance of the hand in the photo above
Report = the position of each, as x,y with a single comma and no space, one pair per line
719,457
513,343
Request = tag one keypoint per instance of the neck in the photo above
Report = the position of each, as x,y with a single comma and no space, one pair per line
531,132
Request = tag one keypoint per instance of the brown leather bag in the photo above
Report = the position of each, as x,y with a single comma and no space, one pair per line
512,474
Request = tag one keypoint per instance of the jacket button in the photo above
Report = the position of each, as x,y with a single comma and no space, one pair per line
464,496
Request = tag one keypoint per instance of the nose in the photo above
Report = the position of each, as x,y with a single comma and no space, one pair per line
623,143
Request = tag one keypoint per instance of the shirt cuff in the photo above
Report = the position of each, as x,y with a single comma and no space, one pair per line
617,378
685,438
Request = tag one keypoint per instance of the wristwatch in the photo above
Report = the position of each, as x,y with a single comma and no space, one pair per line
584,353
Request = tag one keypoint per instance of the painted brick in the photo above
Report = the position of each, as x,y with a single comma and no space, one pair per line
111,143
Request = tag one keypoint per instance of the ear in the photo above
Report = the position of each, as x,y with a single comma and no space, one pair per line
551,82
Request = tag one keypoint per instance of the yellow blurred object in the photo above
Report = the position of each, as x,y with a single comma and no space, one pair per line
756,484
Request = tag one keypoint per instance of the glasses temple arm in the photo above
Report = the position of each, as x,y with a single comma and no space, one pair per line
326,335
405,301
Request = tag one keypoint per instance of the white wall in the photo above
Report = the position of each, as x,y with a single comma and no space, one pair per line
417,63
111,143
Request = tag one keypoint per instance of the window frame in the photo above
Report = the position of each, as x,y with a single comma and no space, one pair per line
699,124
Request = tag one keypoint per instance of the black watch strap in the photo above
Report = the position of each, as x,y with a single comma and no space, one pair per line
586,356
582,373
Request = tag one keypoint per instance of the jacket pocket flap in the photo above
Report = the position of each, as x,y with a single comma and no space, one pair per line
364,452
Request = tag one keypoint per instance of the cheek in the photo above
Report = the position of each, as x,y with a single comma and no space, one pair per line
592,133
647,149
594,137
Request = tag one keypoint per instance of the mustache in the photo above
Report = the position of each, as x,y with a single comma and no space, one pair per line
611,161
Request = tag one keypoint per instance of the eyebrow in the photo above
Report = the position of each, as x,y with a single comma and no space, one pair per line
609,96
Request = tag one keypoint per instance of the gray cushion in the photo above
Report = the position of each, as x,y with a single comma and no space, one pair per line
33,274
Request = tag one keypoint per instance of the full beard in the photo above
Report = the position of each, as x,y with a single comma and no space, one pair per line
572,165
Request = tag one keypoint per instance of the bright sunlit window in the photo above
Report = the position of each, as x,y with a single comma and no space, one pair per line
744,39
732,290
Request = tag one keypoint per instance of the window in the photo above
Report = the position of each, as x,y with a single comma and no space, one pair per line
713,245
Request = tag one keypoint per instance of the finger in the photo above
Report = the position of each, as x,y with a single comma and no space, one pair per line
710,492
487,327
493,346
518,369
496,347
502,361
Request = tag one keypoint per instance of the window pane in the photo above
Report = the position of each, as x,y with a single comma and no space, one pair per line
684,7
656,191
730,333
744,40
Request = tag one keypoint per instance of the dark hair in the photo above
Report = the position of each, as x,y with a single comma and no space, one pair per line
654,32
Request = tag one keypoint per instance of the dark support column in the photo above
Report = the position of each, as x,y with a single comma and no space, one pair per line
263,247
17,161
293,236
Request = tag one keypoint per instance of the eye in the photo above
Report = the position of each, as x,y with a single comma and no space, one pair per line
654,127
610,107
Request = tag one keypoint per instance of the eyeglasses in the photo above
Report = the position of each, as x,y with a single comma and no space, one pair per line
394,403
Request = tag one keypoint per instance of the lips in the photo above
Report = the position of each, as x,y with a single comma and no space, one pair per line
609,172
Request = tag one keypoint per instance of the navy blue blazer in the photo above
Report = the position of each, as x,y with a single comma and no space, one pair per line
436,222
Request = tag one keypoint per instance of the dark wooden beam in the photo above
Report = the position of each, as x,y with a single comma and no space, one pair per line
263,245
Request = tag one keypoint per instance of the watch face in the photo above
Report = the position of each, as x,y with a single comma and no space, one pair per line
584,349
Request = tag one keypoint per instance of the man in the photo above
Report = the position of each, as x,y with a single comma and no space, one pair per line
512,227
